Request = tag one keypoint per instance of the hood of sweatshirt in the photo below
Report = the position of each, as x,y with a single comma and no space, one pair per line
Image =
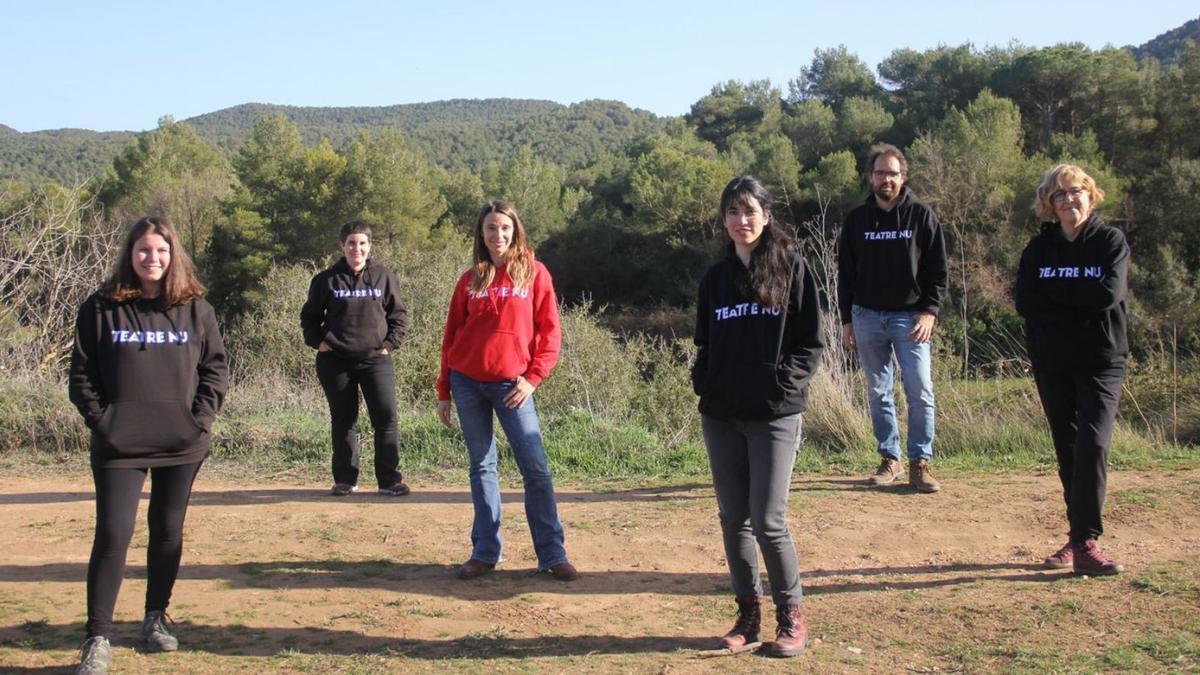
356,314
892,259
148,381
754,361
1072,295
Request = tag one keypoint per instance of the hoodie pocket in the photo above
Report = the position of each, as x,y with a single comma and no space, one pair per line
503,354
137,428
744,389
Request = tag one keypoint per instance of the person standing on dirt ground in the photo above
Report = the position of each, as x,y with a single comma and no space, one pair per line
148,374
892,278
501,340
1070,289
758,339
354,319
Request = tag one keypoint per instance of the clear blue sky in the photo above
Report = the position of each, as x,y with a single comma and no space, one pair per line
120,65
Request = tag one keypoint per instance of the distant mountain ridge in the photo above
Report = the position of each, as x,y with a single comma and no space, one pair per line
453,133
230,126
1167,47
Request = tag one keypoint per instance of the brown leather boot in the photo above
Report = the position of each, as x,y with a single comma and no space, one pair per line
921,478
790,632
748,627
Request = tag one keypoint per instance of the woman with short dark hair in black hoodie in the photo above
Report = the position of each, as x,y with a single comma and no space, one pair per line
148,374
758,334
1071,291
354,319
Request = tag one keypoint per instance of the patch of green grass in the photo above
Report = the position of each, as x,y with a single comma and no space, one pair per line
1175,651
1145,497
1173,579
281,430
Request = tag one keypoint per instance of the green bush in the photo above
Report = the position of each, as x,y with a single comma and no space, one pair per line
616,407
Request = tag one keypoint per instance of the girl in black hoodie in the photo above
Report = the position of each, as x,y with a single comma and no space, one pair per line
758,334
354,319
1071,291
148,374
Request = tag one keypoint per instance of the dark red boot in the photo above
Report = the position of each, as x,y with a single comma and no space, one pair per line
1089,560
748,627
1063,558
790,632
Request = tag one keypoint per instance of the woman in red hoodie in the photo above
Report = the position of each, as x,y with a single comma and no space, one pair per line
501,341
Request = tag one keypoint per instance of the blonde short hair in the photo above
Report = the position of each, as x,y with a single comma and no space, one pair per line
1059,177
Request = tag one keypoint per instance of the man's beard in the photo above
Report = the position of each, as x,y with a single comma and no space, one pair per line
886,192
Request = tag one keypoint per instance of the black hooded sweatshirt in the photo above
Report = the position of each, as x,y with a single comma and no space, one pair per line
892,260
754,362
357,315
148,381
1072,295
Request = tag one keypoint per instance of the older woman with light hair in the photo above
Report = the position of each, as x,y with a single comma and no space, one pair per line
1071,291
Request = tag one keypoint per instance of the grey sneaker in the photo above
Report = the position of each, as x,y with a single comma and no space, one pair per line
889,471
342,489
95,656
155,636
397,489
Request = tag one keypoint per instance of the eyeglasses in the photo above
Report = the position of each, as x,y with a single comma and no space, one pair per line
1061,196
886,175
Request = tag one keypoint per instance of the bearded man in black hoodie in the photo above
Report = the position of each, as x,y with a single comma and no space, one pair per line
891,280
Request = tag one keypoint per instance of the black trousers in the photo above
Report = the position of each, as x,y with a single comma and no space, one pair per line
117,495
1081,406
342,379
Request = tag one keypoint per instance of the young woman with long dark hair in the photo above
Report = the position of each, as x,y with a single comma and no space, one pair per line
148,374
758,334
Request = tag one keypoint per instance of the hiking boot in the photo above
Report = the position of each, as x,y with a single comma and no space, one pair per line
564,571
921,478
889,471
155,636
397,489
342,489
790,632
1061,559
95,656
748,627
475,568
1087,559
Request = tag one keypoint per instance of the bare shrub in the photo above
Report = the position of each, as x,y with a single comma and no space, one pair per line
55,250
837,418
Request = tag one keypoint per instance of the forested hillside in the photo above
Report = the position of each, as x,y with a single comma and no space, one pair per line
66,156
621,204
454,134
1168,46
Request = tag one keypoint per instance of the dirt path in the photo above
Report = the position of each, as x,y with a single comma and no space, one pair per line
285,578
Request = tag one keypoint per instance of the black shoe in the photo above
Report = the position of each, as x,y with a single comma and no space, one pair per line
342,489
397,489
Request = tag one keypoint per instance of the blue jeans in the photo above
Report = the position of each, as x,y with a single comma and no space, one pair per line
475,402
878,334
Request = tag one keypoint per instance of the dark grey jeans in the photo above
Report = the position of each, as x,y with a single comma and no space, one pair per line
752,464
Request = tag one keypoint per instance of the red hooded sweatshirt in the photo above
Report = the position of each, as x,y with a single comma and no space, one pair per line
501,333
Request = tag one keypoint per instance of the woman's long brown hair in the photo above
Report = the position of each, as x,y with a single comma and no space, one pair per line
518,256
179,283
